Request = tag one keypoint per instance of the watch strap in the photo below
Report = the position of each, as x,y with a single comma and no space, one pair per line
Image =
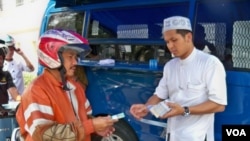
186,111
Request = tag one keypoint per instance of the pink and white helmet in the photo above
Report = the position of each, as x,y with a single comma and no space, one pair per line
53,42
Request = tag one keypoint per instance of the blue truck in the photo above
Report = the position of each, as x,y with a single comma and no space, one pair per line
129,32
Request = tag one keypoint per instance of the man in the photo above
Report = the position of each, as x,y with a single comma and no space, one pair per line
201,43
6,83
193,86
16,68
228,59
54,106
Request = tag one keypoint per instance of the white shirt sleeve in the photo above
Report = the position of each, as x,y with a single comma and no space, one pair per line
216,82
162,90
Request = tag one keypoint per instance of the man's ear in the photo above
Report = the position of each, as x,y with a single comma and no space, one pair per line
189,37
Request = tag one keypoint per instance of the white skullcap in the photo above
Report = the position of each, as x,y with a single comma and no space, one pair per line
176,22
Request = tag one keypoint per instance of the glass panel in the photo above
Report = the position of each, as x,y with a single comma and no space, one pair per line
210,37
67,21
133,23
130,53
226,30
241,44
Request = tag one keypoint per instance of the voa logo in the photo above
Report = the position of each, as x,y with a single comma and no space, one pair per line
236,132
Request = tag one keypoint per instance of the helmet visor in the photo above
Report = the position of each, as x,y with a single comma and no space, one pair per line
82,49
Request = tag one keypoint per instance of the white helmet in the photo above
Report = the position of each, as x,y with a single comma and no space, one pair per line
9,40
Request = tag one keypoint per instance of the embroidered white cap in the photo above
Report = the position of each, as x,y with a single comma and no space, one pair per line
176,22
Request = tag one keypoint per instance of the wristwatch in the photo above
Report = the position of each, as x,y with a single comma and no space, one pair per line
186,111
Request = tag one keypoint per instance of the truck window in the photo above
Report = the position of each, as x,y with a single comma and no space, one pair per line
133,22
66,20
124,26
130,53
228,32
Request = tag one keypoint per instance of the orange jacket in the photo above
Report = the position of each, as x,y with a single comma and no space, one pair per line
45,101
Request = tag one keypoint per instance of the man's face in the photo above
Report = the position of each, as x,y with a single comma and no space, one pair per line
178,45
10,52
70,61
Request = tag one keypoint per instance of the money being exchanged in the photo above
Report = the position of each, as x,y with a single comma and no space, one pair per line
159,109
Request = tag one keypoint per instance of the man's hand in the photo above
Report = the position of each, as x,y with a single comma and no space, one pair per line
104,125
19,51
107,132
176,109
139,110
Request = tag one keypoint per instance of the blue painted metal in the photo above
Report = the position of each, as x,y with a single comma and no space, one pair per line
7,125
192,11
237,110
112,89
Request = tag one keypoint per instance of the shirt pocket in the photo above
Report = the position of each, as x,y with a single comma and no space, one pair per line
196,87
196,90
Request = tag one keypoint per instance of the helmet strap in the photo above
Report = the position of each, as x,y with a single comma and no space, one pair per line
62,71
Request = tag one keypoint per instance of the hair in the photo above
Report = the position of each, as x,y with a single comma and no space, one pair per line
2,41
183,32
3,52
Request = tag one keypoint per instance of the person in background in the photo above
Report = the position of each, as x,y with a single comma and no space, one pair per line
193,86
15,67
228,59
201,43
6,83
54,106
